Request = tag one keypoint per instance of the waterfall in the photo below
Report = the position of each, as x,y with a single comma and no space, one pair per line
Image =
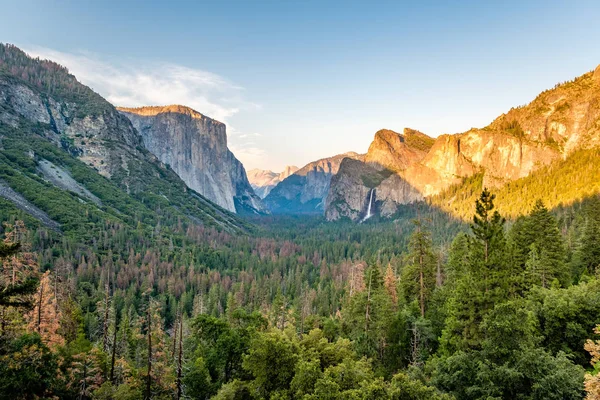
369,208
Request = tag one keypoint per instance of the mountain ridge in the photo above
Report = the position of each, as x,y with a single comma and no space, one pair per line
555,124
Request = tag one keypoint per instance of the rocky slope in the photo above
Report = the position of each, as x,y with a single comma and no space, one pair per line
305,190
85,159
263,181
195,147
557,123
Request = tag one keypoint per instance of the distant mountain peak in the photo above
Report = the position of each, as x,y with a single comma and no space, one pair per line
263,181
306,189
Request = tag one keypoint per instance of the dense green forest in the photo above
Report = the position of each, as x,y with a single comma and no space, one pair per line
422,307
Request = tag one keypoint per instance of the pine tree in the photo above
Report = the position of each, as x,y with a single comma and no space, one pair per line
586,259
85,374
19,277
390,284
539,232
45,316
418,277
488,278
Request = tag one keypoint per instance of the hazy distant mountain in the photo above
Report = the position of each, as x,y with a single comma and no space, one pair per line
306,189
263,181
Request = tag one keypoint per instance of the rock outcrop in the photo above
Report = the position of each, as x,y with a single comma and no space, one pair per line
554,125
305,190
382,172
263,181
195,147
105,140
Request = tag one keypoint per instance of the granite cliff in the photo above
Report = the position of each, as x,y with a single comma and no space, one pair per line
378,177
195,147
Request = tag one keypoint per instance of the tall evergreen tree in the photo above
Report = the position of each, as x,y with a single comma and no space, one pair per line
586,259
418,277
488,278
538,247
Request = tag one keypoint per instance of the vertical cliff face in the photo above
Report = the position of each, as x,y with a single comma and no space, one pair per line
305,190
264,181
195,147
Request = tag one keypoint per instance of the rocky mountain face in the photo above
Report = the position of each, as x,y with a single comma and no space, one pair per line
402,170
378,178
263,181
306,189
105,140
195,147
66,135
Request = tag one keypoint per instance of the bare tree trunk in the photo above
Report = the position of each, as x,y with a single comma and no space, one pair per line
39,316
367,316
106,312
439,279
421,283
149,375
114,352
175,336
416,346
180,360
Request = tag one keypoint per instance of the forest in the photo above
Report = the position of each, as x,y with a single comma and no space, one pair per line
421,307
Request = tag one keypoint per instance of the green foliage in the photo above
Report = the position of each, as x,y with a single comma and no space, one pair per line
271,360
417,140
28,369
538,248
560,184
567,317
418,276
373,178
512,127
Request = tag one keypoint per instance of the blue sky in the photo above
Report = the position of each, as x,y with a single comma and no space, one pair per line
298,81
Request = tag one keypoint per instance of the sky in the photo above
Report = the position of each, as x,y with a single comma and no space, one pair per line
299,81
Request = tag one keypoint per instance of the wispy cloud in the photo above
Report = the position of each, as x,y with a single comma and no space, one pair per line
248,153
134,83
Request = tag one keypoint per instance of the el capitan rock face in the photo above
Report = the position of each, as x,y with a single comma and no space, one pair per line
402,169
195,147
263,181
306,189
